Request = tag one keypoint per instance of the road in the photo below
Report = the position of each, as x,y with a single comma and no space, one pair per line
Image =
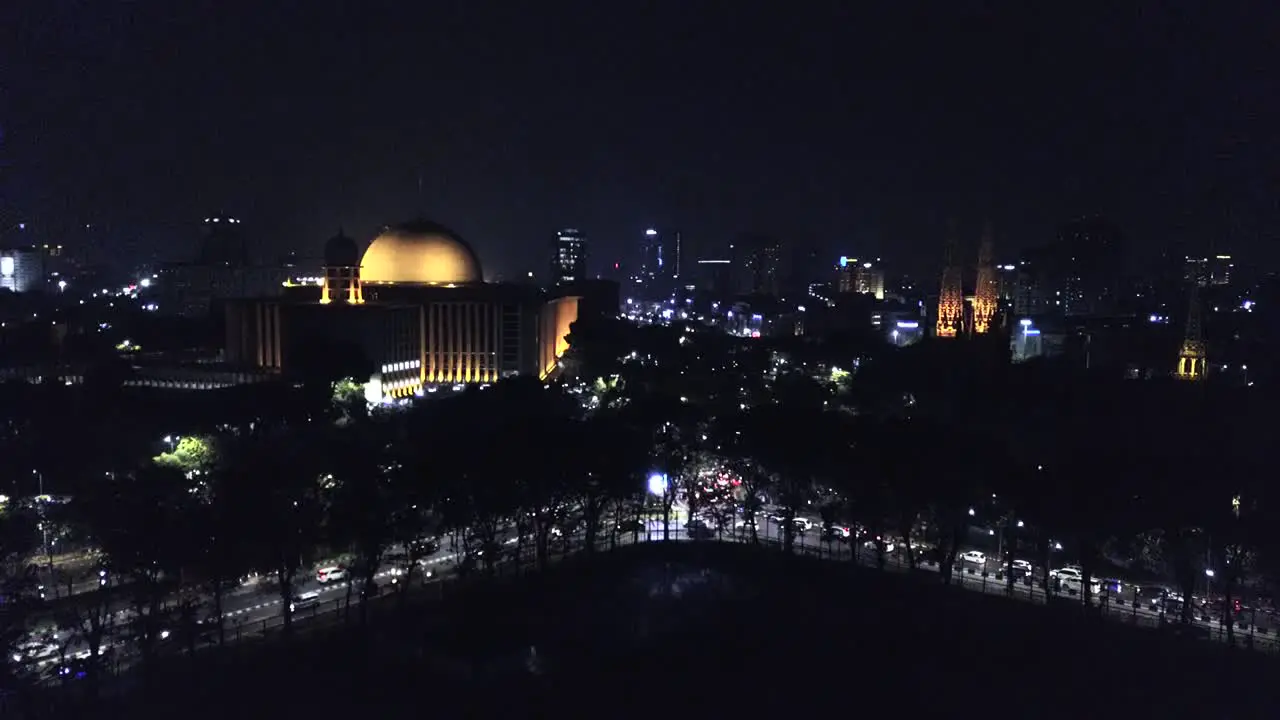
255,609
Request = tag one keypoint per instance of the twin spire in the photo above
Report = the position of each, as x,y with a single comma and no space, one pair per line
951,314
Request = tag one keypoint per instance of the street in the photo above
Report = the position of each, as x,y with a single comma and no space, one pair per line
256,608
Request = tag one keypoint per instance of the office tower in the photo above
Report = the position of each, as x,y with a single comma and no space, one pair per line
861,277
760,269
569,258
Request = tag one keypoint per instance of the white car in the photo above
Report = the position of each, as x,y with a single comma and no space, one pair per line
1073,579
1022,566
331,573
974,557
34,651
1068,573
304,601
888,544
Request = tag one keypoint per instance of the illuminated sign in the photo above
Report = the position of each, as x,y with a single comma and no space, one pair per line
908,325
1031,331
844,261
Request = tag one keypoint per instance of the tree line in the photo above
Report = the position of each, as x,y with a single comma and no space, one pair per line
870,436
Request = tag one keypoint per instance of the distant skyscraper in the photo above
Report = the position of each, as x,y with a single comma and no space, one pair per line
221,270
760,256
675,255
651,259
569,262
661,259
951,293
986,296
1089,267
714,276
1209,271
861,277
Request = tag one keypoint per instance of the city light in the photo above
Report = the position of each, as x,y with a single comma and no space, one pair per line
657,484
650,232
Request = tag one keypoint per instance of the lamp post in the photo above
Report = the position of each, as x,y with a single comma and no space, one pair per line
44,524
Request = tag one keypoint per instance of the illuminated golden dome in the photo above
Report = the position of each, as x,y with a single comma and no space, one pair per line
420,253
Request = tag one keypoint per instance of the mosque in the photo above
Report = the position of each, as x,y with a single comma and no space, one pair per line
415,305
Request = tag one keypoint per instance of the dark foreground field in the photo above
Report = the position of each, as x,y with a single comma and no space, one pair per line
710,631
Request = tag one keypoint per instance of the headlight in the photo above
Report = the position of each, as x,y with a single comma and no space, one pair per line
17,657
292,607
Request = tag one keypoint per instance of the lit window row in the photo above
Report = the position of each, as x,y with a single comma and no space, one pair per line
400,366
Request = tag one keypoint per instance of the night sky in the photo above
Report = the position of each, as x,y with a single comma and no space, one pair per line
824,123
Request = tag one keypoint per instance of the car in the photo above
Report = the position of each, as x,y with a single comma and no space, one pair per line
423,547
331,573
1068,573
888,543
698,530
1072,579
836,532
304,601
974,557
34,650
1022,567
1111,585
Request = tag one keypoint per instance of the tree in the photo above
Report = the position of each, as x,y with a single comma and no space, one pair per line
214,531
361,516
191,454
277,480
613,459
19,597
138,520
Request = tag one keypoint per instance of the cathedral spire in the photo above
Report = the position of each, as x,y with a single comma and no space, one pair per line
986,293
951,293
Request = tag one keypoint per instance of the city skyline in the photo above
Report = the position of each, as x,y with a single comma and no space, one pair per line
1164,143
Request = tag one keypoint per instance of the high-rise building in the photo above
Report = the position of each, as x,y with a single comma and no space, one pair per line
986,293
760,256
1089,267
861,277
1212,271
222,270
714,276
569,259
660,258
951,293
22,269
